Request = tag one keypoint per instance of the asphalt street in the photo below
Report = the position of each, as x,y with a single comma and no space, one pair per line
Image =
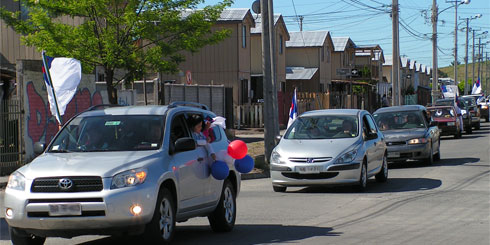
446,203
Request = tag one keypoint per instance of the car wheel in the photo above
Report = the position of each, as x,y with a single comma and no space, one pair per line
487,119
361,186
382,176
279,188
223,217
161,229
430,158
477,127
469,130
458,134
18,236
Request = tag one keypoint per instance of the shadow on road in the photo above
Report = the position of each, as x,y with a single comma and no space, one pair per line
456,161
241,234
249,139
393,185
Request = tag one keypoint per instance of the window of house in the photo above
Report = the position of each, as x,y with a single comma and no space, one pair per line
328,55
280,44
244,36
100,77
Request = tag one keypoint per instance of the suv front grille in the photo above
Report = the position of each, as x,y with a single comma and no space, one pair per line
309,160
72,184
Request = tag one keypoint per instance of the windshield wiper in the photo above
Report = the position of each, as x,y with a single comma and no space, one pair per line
59,151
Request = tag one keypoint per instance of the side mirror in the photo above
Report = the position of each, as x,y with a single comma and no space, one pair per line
185,144
278,138
39,148
372,136
434,123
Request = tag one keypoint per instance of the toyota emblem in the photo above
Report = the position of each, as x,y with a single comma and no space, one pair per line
65,184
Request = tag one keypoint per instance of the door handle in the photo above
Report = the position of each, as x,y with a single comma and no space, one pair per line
200,159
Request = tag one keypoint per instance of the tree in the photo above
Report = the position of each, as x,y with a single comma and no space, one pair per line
132,36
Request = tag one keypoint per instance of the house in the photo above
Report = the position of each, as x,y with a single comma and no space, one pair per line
308,61
343,60
368,63
227,62
281,37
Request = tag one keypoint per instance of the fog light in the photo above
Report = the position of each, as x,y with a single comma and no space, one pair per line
9,212
136,209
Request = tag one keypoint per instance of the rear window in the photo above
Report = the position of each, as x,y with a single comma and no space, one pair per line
110,133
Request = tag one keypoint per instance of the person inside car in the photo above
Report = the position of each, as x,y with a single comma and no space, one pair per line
347,130
195,123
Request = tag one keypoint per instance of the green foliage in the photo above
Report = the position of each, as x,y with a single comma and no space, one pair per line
442,73
136,36
359,89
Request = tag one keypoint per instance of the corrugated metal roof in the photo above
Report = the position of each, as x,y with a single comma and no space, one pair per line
231,14
300,73
341,43
258,23
306,39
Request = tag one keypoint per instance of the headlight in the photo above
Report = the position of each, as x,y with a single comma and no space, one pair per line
463,112
484,107
346,157
16,181
417,141
129,178
276,158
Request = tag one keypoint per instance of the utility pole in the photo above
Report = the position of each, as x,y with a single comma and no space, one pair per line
473,60
435,78
271,125
456,43
301,22
479,58
395,74
486,77
466,58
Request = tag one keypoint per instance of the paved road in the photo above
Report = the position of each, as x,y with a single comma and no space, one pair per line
447,203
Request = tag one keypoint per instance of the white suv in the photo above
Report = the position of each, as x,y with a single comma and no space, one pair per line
122,170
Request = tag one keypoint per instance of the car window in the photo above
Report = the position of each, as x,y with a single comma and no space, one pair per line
178,129
213,133
323,127
110,133
371,124
399,120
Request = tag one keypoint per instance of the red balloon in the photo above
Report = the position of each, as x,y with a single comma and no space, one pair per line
237,149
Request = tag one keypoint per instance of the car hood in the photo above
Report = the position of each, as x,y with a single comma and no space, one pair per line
404,134
315,148
104,164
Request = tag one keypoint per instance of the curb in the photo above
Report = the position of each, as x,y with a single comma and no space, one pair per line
265,174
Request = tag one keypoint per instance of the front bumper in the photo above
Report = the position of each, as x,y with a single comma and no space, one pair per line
344,174
407,152
101,211
448,130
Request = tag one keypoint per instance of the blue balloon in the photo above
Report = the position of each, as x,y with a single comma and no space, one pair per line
220,170
245,164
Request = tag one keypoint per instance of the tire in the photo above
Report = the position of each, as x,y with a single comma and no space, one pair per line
477,127
18,237
382,176
279,188
161,229
223,217
430,159
362,184
469,130
458,134
487,119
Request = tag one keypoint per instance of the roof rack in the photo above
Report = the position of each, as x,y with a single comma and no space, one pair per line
186,103
97,107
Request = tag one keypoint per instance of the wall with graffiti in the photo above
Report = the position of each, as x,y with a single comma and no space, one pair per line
39,125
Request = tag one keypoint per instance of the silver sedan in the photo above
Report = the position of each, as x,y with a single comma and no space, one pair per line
329,147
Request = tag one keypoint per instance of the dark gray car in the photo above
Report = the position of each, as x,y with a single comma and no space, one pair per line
409,133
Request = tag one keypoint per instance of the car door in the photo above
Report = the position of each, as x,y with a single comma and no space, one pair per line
188,166
433,132
378,142
369,144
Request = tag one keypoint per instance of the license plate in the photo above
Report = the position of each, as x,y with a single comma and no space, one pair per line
450,124
393,154
65,209
309,169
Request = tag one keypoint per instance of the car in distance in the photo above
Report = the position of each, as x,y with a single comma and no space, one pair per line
465,114
484,105
329,147
409,133
447,119
121,170
470,102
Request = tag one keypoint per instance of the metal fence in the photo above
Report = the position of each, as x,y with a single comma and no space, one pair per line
10,141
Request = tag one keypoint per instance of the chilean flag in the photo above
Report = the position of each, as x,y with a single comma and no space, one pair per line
476,87
62,76
293,111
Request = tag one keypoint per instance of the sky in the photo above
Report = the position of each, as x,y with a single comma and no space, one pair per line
369,22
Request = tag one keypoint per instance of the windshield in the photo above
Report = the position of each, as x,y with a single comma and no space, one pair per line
442,113
468,101
444,102
323,127
399,120
110,133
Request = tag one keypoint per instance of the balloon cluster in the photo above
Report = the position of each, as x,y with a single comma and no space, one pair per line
244,163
